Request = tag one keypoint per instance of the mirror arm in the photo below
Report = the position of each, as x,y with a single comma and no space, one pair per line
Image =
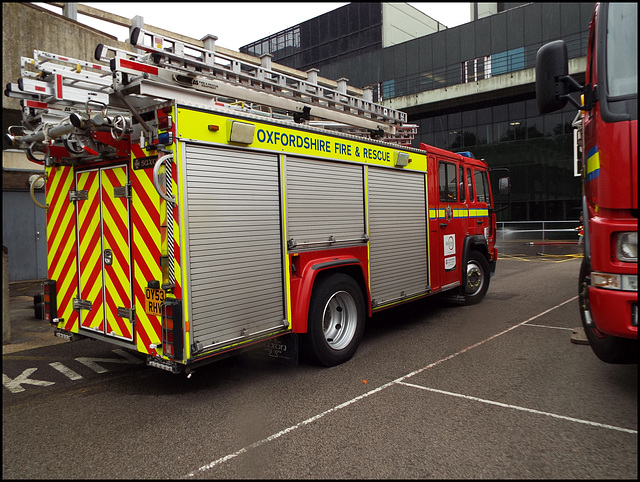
567,84
497,210
573,101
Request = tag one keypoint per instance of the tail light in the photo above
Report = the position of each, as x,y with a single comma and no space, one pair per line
172,333
50,303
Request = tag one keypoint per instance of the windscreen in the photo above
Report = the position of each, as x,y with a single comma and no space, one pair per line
622,49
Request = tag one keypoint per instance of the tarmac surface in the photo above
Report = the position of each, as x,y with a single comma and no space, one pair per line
29,332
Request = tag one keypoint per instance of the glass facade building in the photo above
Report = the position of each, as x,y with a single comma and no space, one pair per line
501,125
341,34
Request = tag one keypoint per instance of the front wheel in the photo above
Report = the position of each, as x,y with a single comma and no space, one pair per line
609,349
477,278
336,320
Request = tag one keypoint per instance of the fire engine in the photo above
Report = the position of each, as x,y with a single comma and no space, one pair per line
199,205
608,128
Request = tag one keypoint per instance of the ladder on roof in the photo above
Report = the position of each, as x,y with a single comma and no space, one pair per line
173,69
62,100
403,136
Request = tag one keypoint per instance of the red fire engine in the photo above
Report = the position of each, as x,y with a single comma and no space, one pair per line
198,204
608,284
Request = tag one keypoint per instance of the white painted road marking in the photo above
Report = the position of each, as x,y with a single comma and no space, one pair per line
68,372
524,409
91,362
15,384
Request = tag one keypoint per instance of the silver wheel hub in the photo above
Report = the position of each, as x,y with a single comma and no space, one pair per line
339,320
474,278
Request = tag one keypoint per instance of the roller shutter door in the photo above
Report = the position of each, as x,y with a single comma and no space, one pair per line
324,199
398,234
235,246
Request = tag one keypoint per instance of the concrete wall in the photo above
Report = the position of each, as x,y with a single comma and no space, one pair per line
512,83
26,27
483,9
402,22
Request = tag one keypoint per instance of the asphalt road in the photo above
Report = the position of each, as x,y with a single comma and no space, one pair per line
496,390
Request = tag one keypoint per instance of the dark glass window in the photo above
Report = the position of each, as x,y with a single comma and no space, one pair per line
483,134
500,113
455,120
552,124
469,118
484,115
482,186
447,181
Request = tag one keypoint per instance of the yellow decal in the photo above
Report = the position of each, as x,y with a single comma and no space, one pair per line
209,127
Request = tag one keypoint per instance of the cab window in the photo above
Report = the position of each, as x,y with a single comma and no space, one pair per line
461,183
448,182
482,186
470,184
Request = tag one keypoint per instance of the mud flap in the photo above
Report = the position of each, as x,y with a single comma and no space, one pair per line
456,296
283,349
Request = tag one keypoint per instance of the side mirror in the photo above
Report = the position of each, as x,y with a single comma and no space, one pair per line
552,64
553,82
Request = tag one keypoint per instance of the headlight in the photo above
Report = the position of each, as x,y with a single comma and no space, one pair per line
627,247
610,281
606,280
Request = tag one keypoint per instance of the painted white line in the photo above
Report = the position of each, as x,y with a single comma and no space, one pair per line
211,465
523,409
547,326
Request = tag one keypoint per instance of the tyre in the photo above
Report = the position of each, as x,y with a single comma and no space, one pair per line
609,349
336,320
477,280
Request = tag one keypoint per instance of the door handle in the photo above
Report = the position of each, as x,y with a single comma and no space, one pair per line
479,222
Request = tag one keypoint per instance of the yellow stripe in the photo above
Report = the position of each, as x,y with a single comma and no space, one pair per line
366,210
287,264
426,187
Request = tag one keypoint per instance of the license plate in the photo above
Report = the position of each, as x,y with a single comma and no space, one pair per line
153,298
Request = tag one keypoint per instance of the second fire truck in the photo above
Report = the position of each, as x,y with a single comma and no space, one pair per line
608,279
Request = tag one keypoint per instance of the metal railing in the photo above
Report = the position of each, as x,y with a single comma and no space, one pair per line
538,230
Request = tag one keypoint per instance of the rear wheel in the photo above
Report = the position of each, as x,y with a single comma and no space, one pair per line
609,349
336,320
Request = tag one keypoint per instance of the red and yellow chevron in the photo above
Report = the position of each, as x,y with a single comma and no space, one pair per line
115,229
145,233
89,241
61,243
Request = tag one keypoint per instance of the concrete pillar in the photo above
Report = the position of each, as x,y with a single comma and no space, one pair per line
312,76
265,61
70,10
342,85
6,322
209,42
